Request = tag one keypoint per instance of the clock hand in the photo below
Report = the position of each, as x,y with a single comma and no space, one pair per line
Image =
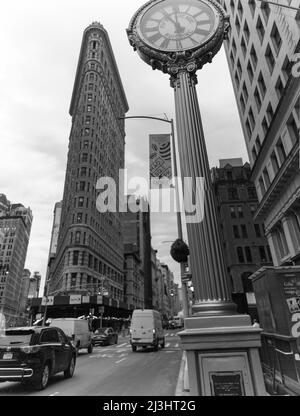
168,17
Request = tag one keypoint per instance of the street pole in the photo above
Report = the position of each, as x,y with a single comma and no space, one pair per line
185,300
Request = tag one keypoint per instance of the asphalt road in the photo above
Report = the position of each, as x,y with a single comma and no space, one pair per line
115,371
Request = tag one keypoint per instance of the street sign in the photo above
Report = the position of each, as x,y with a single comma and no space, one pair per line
75,299
48,300
187,277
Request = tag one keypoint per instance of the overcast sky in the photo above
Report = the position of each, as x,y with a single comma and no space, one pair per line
40,43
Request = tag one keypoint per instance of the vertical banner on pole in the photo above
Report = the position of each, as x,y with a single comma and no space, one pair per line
160,159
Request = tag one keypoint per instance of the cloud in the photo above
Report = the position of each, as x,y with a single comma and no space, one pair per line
41,50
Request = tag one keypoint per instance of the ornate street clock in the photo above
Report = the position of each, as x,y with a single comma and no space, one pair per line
166,32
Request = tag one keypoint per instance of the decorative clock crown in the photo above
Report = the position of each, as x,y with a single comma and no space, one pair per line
171,62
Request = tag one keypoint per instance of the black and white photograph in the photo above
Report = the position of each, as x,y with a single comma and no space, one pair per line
149,202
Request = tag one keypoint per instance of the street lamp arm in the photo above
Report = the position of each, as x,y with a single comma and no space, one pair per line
279,4
148,117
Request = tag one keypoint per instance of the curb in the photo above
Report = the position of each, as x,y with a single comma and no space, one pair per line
180,390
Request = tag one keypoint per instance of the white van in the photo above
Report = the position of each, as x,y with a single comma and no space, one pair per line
76,329
146,329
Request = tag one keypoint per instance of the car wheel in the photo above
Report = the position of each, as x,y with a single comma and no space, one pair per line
90,349
43,378
116,339
133,348
71,368
163,344
156,346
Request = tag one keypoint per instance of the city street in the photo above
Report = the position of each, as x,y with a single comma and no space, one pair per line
115,371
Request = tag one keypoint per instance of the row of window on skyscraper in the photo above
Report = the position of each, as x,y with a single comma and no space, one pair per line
237,211
244,254
234,193
240,231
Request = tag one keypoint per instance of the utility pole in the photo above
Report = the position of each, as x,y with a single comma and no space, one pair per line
179,223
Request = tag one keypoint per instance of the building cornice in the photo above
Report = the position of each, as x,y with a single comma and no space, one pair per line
289,169
291,93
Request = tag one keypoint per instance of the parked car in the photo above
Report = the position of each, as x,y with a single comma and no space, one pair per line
171,324
105,336
33,354
78,330
146,329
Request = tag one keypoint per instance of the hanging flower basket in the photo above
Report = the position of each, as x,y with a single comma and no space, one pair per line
180,251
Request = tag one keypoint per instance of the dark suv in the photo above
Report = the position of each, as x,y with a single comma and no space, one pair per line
33,354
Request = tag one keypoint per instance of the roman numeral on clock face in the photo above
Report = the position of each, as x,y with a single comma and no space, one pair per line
155,37
165,43
201,31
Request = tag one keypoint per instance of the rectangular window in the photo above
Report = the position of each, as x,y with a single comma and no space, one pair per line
240,211
232,212
236,231
75,258
244,231
248,254
257,230
262,253
77,237
240,255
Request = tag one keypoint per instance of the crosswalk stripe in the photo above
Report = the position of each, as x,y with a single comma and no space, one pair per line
168,344
120,360
122,345
176,345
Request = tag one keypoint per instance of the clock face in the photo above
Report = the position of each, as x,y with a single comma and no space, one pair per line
177,25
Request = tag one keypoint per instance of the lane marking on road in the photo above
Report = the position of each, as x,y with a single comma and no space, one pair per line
121,360
168,352
168,344
54,394
122,345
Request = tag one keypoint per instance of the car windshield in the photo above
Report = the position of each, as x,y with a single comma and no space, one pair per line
101,331
16,337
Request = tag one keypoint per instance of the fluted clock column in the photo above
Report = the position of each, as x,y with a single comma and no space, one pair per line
206,253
